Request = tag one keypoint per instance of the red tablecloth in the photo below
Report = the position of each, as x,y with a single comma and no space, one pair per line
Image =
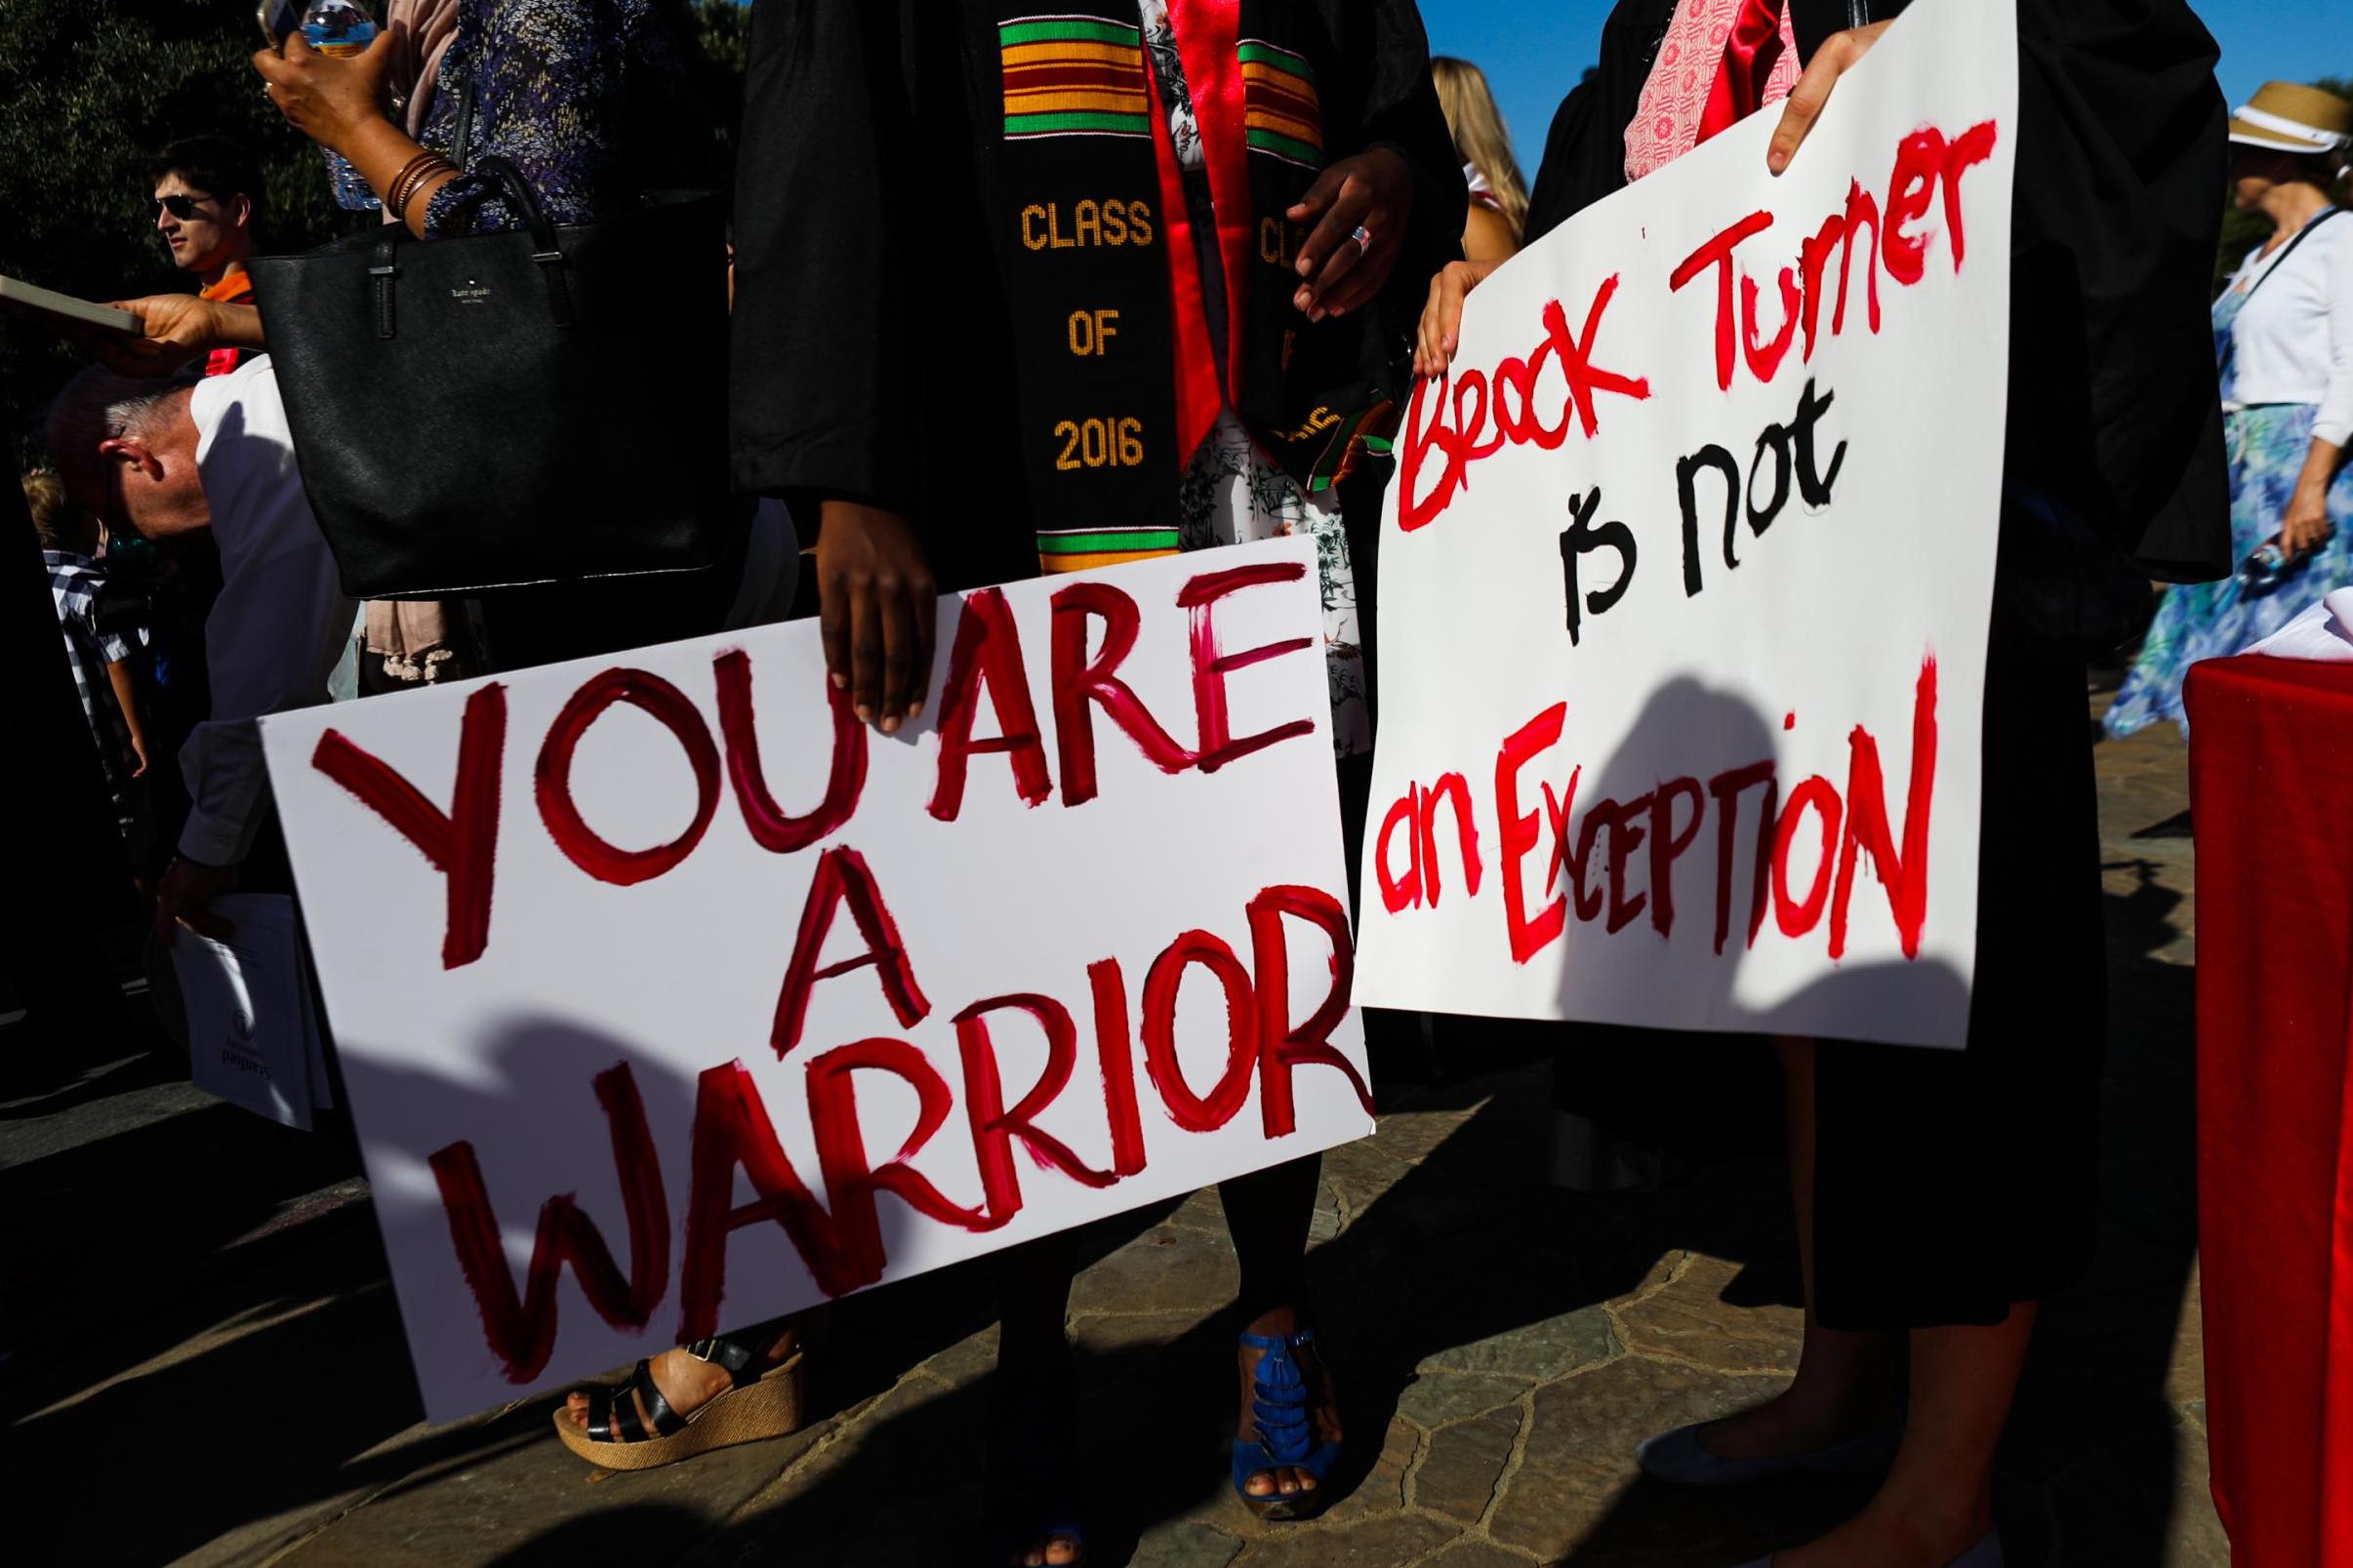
2271,788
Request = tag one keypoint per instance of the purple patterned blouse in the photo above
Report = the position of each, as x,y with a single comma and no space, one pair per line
584,97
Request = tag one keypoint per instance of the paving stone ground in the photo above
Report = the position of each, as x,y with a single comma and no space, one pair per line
207,1364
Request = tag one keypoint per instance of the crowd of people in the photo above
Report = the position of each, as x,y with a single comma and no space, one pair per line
924,196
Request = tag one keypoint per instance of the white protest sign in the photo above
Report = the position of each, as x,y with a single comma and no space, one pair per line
1684,584
669,998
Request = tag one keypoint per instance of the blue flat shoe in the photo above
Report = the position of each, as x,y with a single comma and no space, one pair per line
1681,1457
1986,1554
1283,1406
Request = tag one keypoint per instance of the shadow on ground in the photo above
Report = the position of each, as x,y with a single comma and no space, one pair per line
196,1311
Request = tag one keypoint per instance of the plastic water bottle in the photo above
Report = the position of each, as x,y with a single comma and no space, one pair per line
2267,568
342,27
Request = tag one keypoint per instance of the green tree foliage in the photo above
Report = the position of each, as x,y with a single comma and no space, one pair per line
89,92
2244,231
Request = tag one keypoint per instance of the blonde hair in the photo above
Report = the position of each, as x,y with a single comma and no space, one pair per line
1479,133
57,520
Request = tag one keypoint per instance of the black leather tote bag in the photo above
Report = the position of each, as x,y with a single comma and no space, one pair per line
539,405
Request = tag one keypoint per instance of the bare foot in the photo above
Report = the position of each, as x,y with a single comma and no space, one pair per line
686,1381
1285,1480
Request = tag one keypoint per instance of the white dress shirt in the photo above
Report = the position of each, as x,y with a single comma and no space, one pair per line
275,634
2292,341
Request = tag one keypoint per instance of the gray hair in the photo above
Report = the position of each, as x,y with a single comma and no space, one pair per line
96,407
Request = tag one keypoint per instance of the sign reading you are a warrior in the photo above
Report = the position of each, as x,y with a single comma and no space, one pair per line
1685,578
670,998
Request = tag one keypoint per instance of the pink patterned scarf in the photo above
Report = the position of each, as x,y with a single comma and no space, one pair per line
1666,118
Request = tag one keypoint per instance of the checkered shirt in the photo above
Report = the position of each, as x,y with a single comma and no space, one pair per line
74,581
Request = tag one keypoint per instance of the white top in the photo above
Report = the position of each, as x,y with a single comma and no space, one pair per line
2292,342
275,634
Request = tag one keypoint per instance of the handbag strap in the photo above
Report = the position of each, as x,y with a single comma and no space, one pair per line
2301,235
523,198
2230,350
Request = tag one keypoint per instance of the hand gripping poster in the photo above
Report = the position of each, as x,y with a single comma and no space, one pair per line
670,998
1685,577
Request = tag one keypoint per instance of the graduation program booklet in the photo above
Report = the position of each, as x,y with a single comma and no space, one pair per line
32,296
252,1033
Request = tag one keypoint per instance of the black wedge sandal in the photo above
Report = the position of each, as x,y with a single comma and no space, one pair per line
760,1405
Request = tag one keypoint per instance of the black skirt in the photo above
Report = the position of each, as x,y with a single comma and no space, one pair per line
1951,1184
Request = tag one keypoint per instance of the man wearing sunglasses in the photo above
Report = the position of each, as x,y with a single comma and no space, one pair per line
208,200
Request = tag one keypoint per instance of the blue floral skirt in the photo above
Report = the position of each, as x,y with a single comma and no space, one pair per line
2267,446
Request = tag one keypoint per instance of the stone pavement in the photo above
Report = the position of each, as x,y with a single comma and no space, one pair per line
208,1365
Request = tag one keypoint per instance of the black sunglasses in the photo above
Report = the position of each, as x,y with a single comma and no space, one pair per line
179,204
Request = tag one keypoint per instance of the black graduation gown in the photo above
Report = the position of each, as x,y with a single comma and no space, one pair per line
1951,1185
874,336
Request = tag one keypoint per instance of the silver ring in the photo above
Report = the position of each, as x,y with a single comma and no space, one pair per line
1364,237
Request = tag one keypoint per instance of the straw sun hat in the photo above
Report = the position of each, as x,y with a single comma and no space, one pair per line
2288,117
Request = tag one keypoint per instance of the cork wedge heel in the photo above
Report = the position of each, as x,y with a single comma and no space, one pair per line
758,1406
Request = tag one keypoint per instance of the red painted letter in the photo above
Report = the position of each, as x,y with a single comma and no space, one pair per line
1453,788
1119,1063
771,826
1667,846
1077,682
987,651
1727,787
994,1127
1972,146
1399,893
731,1129
1905,876
1210,667
841,875
463,845
1911,186
581,843
1197,1113
1797,917
523,1332
1280,1047
1717,251
1520,832
852,1178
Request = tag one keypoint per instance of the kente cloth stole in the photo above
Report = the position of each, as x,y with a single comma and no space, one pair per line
1118,380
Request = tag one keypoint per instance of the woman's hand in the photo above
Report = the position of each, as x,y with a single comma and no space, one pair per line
1372,191
1804,105
2304,527
173,329
876,606
328,97
1440,327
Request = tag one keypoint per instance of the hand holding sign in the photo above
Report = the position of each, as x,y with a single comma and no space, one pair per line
640,932
875,599
1442,317
1685,592
1806,100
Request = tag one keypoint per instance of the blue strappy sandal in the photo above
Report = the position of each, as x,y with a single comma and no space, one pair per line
1282,1407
